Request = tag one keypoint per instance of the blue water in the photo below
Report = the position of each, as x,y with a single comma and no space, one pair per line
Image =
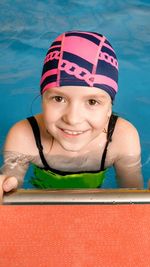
27,29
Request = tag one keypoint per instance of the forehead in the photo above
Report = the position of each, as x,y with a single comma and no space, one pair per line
83,91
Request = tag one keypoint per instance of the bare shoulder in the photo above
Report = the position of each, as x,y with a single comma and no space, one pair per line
126,136
20,138
125,127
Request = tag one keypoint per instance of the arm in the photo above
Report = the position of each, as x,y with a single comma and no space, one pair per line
16,159
128,162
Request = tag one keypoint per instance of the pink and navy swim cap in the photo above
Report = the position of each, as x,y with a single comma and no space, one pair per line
80,58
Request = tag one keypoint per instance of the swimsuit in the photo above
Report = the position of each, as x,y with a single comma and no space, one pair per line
48,177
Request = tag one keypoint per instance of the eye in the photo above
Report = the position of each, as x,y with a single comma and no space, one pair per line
58,98
92,102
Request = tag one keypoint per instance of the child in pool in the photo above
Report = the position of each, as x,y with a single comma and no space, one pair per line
77,131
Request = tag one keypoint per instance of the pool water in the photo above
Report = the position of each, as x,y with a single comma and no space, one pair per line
27,29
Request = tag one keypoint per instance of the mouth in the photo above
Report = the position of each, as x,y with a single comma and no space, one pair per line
72,133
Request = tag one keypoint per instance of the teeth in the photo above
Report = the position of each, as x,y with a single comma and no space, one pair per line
72,132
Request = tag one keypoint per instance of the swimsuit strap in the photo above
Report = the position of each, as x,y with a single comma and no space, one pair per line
111,127
36,132
37,136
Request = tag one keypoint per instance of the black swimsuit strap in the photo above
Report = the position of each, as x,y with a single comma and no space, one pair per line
37,137
111,127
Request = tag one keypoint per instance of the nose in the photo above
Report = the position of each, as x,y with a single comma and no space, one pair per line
73,114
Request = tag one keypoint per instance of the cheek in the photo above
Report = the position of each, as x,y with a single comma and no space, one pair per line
98,123
109,112
100,118
50,114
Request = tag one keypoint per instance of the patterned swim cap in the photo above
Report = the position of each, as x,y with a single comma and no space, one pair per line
80,58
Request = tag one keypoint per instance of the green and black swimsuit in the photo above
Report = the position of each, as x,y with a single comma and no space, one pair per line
48,177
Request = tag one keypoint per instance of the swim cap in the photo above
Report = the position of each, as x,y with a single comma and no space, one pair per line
80,58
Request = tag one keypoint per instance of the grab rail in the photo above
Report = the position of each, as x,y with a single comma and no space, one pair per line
86,196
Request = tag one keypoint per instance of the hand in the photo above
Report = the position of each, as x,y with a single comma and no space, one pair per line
7,184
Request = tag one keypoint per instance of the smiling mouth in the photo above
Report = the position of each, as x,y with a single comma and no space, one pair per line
72,133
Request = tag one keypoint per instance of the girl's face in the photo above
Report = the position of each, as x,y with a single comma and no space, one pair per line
76,115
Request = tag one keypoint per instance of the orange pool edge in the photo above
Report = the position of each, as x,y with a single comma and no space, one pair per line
75,235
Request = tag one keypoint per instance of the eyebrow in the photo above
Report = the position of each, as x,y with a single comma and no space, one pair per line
97,95
56,91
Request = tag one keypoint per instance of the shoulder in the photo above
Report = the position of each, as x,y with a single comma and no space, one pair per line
18,129
20,138
124,126
126,137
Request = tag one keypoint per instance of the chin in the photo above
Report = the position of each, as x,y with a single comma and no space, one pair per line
72,148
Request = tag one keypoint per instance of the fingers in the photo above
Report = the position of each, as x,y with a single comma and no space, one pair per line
2,178
6,185
9,184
